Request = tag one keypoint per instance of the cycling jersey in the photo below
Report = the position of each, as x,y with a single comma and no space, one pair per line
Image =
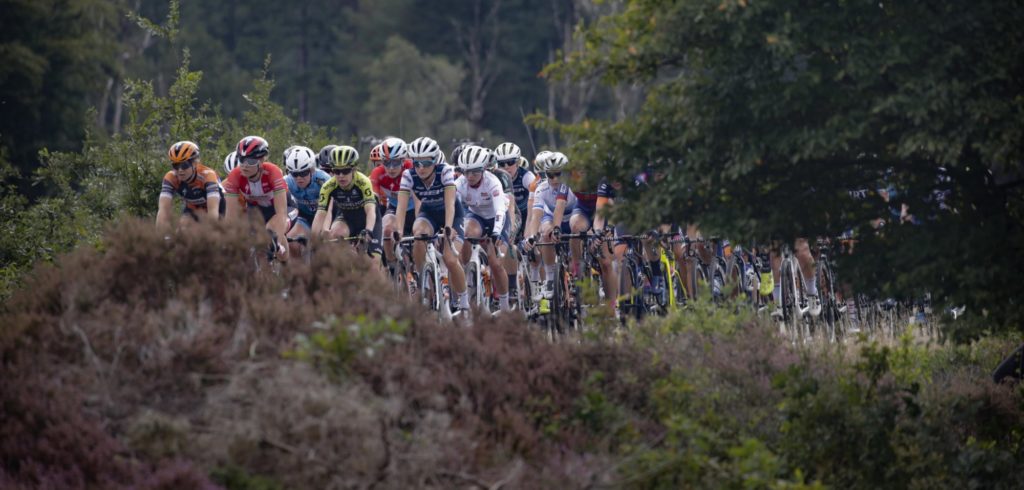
521,183
587,201
504,178
307,198
486,200
257,193
386,187
358,194
431,197
203,185
545,197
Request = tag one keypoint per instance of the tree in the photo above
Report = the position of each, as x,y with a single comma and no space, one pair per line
414,94
763,116
53,55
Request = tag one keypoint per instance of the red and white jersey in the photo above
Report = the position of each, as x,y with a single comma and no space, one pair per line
386,187
486,200
260,192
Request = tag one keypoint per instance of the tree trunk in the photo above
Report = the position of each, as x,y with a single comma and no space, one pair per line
115,124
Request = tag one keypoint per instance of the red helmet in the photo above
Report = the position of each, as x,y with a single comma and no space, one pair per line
252,147
377,154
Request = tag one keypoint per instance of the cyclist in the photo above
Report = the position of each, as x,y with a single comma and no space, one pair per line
259,184
486,213
553,205
509,157
323,157
432,183
230,162
376,156
351,195
304,183
196,183
386,180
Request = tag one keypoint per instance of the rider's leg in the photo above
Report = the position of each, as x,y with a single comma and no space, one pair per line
473,230
803,255
421,226
547,253
339,228
301,229
389,228
578,223
498,274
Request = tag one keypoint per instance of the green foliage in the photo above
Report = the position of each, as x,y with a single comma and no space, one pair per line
763,116
414,94
341,341
232,477
170,27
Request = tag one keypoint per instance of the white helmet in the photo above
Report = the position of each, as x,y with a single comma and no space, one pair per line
557,162
424,148
507,152
441,159
541,160
394,149
230,162
299,159
475,157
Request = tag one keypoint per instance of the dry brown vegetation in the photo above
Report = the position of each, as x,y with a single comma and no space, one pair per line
153,363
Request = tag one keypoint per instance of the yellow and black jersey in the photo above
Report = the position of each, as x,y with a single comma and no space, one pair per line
358,194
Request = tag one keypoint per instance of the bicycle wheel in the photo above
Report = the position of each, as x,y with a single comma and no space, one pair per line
630,304
734,287
474,285
717,275
524,287
830,311
430,293
678,293
697,278
790,301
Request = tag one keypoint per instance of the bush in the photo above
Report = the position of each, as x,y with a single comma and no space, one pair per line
174,357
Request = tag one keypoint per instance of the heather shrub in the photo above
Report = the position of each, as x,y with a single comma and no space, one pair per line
154,363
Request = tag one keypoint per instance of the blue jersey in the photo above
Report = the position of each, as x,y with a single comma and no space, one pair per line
431,197
307,199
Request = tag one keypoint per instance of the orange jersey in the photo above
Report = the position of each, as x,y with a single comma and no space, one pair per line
194,192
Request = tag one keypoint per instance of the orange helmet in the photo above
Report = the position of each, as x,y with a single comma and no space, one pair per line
183,151
376,154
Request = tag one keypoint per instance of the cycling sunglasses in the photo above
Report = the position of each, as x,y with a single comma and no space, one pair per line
475,171
251,161
304,173
182,166
342,171
552,174
393,163
507,163
423,163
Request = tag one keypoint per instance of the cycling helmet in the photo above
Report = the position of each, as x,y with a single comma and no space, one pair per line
507,152
457,151
230,162
474,158
394,149
323,159
299,159
424,148
376,154
252,147
557,161
344,156
183,151
541,160
441,160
